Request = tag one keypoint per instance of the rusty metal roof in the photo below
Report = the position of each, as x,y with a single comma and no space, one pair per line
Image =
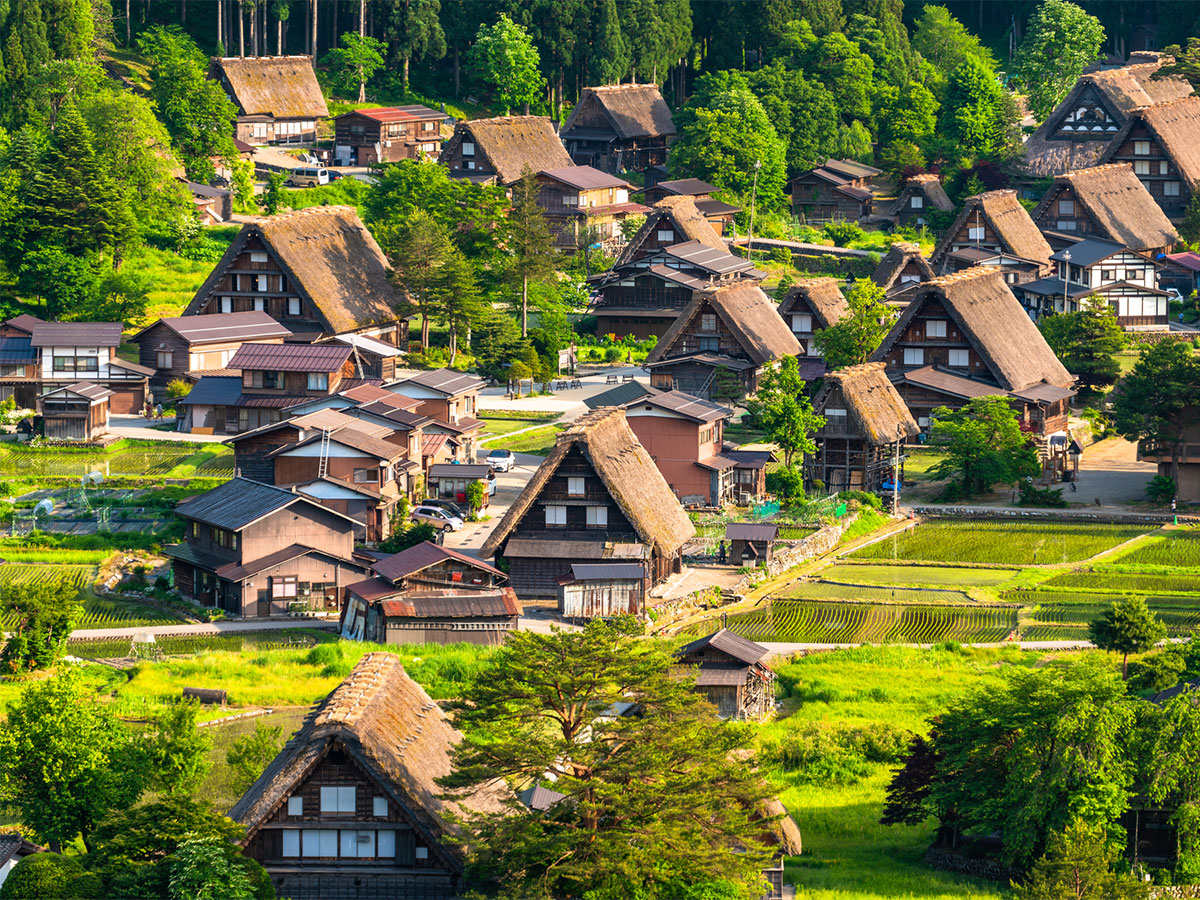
291,357
76,334
422,556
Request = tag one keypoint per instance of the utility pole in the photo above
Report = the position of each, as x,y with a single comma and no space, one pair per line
896,471
753,197
1066,272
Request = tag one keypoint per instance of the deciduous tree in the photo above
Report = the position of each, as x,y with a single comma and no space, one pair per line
505,60
1127,626
39,617
355,63
1160,398
782,407
984,446
250,754
1060,42
176,750
860,330
1081,862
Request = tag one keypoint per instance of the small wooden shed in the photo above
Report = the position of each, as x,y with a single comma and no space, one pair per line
596,590
751,543
449,481
731,673
76,412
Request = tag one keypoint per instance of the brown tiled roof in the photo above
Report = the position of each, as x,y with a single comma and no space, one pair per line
90,390
390,727
628,473
634,110
686,405
25,322
585,178
878,411
284,87
458,605
291,357
354,438
751,531
727,642
76,334
747,312
1119,203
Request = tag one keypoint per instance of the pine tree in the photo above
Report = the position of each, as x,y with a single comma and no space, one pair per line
529,239
421,250
610,54
415,32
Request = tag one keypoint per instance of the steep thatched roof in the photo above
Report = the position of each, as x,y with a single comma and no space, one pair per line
1176,125
509,143
898,256
1008,218
930,187
823,297
388,724
284,87
679,213
747,312
1118,202
784,831
633,110
330,257
1122,90
984,307
871,400
629,474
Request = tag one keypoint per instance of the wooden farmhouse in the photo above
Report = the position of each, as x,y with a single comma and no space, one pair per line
994,230
497,151
838,190
70,353
718,213
645,296
751,543
1094,267
1160,143
1080,129
255,550
75,412
451,481
920,195
317,271
602,589
866,427
278,98
351,806
1178,270
20,365
619,128
585,206
365,137
964,336
214,206
1106,202
902,268
272,378
731,673
811,305
431,595
732,331
598,497
185,348
451,399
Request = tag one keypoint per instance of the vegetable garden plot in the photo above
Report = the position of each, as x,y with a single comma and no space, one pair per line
934,575
1125,582
821,590
1176,549
849,623
1001,541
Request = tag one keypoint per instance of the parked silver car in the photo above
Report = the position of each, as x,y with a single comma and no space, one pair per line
438,518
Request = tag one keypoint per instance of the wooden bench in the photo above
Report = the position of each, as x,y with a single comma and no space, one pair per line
626,378
611,379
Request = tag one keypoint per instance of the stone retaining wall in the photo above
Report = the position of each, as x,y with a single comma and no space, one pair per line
990,869
816,544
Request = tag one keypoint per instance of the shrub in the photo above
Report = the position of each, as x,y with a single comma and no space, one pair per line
1157,671
781,255
178,388
613,354
1045,497
837,753
1161,489
42,876
843,233
786,483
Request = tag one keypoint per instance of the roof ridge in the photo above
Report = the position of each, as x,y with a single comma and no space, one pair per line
1094,169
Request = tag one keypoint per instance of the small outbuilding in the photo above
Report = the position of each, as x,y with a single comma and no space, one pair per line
730,671
450,481
598,590
77,412
750,543
13,849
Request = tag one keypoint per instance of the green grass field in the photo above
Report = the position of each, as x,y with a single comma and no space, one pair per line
1002,542
932,575
501,425
539,442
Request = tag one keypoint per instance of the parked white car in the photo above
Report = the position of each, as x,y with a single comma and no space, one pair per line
308,177
501,460
438,518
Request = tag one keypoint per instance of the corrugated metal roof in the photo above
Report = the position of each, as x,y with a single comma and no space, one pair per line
25,322
1088,251
130,367
267,401
685,186
422,556
464,605
585,177
446,381
955,385
751,531
431,444
77,334
396,113
608,571
459,470
350,436
291,357
236,503
209,329
242,571
89,390
1044,393
689,406
675,275
621,395
368,345
565,548
709,207
728,643
372,589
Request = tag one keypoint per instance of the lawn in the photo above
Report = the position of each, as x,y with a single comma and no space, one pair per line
1001,541
174,279
497,425
539,441
932,575
848,855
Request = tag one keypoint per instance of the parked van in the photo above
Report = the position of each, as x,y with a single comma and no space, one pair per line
307,177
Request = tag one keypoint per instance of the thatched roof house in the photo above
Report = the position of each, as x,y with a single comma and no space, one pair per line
368,756
278,97
499,149
1081,128
325,256
1160,141
1107,202
672,220
994,220
630,514
920,195
902,267
619,126
821,298
875,410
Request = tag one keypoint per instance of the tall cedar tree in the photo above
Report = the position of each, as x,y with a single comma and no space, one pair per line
861,330
658,793
984,446
529,239
1127,626
1060,42
1087,341
420,250
456,297
1160,398
782,407
414,32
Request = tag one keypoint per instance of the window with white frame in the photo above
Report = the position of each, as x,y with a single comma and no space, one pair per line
387,844
260,304
1141,167
379,807
226,304
666,237
1163,167
923,421
468,148
358,844
802,323
960,359
293,306
556,515
935,328
338,800
165,358
291,842
708,321
1066,207
1170,188
1141,148
918,202
575,486
570,200
597,516
976,233
260,283
422,853
914,356
295,806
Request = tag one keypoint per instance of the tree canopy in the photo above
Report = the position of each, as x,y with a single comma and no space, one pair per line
984,446
858,333
782,408
1087,341
1159,398
1060,42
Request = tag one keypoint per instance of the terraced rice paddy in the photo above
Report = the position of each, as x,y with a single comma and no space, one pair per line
207,461
1001,542
932,575
822,590
1123,582
853,623
98,612
1176,549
